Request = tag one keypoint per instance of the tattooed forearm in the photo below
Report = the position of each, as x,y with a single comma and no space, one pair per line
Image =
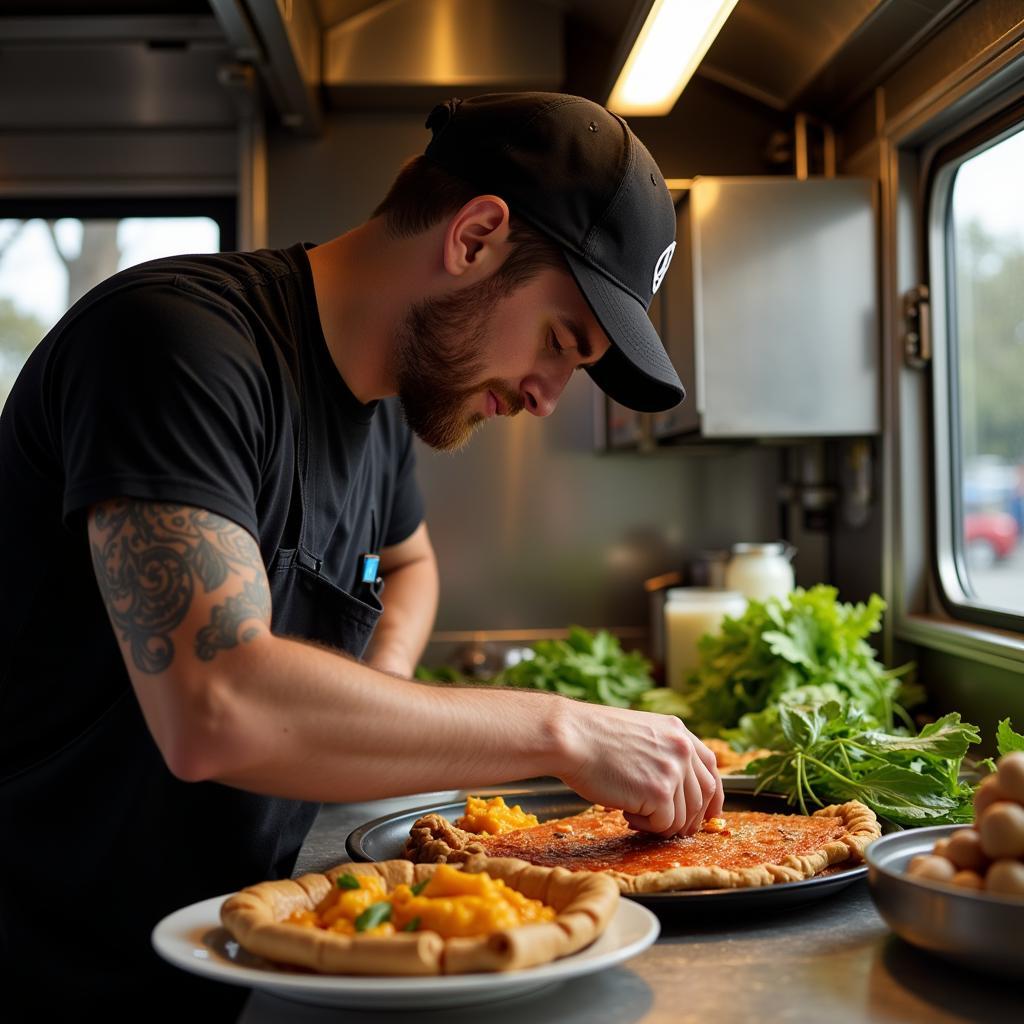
227,619
151,559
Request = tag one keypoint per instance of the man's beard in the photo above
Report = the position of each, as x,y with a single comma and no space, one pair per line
439,365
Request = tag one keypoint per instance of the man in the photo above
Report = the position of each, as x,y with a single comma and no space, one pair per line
197,465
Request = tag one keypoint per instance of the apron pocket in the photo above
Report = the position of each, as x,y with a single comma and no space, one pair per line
309,606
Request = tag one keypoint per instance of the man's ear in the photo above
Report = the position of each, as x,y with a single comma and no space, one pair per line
475,242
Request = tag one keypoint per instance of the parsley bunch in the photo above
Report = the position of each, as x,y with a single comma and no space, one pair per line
828,752
810,647
588,666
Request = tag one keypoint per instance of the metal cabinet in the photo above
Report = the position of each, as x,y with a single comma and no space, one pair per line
770,309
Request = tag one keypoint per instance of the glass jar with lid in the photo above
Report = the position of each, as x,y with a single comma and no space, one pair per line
760,571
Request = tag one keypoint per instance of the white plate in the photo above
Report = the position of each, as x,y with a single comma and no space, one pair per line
739,783
193,939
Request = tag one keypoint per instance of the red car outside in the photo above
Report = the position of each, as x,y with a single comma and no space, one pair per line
989,537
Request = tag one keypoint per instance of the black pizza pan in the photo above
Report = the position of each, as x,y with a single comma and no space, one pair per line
384,839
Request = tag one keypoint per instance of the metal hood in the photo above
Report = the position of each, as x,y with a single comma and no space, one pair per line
411,50
816,56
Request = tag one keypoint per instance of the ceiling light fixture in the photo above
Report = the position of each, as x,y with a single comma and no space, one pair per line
674,38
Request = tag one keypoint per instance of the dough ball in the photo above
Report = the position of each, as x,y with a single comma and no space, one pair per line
1011,776
988,792
1001,828
1007,877
927,865
963,848
968,880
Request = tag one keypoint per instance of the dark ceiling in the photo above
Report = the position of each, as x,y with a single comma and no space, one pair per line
814,55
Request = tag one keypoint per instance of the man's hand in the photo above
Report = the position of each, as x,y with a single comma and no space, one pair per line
226,700
651,766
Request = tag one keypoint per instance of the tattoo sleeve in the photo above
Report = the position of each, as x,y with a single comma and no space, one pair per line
152,559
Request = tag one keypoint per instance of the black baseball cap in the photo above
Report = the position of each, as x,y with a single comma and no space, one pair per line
577,173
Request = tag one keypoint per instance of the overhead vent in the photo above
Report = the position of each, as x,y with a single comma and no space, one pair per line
410,51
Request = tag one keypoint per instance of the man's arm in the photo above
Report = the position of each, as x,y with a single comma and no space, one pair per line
409,570
228,701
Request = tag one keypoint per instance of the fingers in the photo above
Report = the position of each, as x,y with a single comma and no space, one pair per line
694,807
712,791
637,822
698,796
665,779
706,756
711,783
717,802
666,817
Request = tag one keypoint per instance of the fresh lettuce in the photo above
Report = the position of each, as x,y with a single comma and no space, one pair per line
811,646
1008,741
587,666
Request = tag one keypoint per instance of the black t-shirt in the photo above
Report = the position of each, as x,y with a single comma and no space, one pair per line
178,381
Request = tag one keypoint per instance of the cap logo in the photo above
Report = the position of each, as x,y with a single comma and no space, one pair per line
661,267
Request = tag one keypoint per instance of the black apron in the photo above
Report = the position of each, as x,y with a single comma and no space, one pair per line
129,843
306,603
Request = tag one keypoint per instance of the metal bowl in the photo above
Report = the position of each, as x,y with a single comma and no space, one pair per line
977,929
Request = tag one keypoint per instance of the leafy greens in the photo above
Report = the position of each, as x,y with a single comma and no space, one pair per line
829,752
1008,741
808,648
588,666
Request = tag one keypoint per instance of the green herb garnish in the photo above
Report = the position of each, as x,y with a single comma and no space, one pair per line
347,881
373,915
1008,741
412,926
810,648
587,666
829,752
419,887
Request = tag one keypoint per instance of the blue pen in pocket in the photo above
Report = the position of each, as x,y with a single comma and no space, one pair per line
369,578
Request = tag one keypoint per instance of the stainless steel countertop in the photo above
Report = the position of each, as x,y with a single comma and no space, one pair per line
834,960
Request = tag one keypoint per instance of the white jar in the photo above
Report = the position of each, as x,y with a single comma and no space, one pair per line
690,612
760,571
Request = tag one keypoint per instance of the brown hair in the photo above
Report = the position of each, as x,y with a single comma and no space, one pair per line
424,193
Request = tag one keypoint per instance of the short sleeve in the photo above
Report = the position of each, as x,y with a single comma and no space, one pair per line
158,393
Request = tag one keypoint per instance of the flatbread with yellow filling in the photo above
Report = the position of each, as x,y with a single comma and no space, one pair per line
262,918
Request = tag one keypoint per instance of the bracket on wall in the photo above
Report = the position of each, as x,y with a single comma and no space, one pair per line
282,40
917,340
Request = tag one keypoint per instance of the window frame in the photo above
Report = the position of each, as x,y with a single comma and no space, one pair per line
222,209
947,556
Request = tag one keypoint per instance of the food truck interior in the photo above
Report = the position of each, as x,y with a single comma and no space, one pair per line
842,306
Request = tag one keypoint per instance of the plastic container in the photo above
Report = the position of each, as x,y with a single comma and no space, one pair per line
759,571
690,612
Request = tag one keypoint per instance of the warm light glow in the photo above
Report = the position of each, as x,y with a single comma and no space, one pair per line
673,41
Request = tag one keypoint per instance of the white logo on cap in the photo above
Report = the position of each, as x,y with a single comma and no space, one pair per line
661,267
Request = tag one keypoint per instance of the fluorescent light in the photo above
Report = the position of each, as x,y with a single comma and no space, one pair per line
672,42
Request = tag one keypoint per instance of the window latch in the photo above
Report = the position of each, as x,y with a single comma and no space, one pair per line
917,339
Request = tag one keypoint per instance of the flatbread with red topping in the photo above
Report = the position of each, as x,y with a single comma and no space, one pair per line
740,849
